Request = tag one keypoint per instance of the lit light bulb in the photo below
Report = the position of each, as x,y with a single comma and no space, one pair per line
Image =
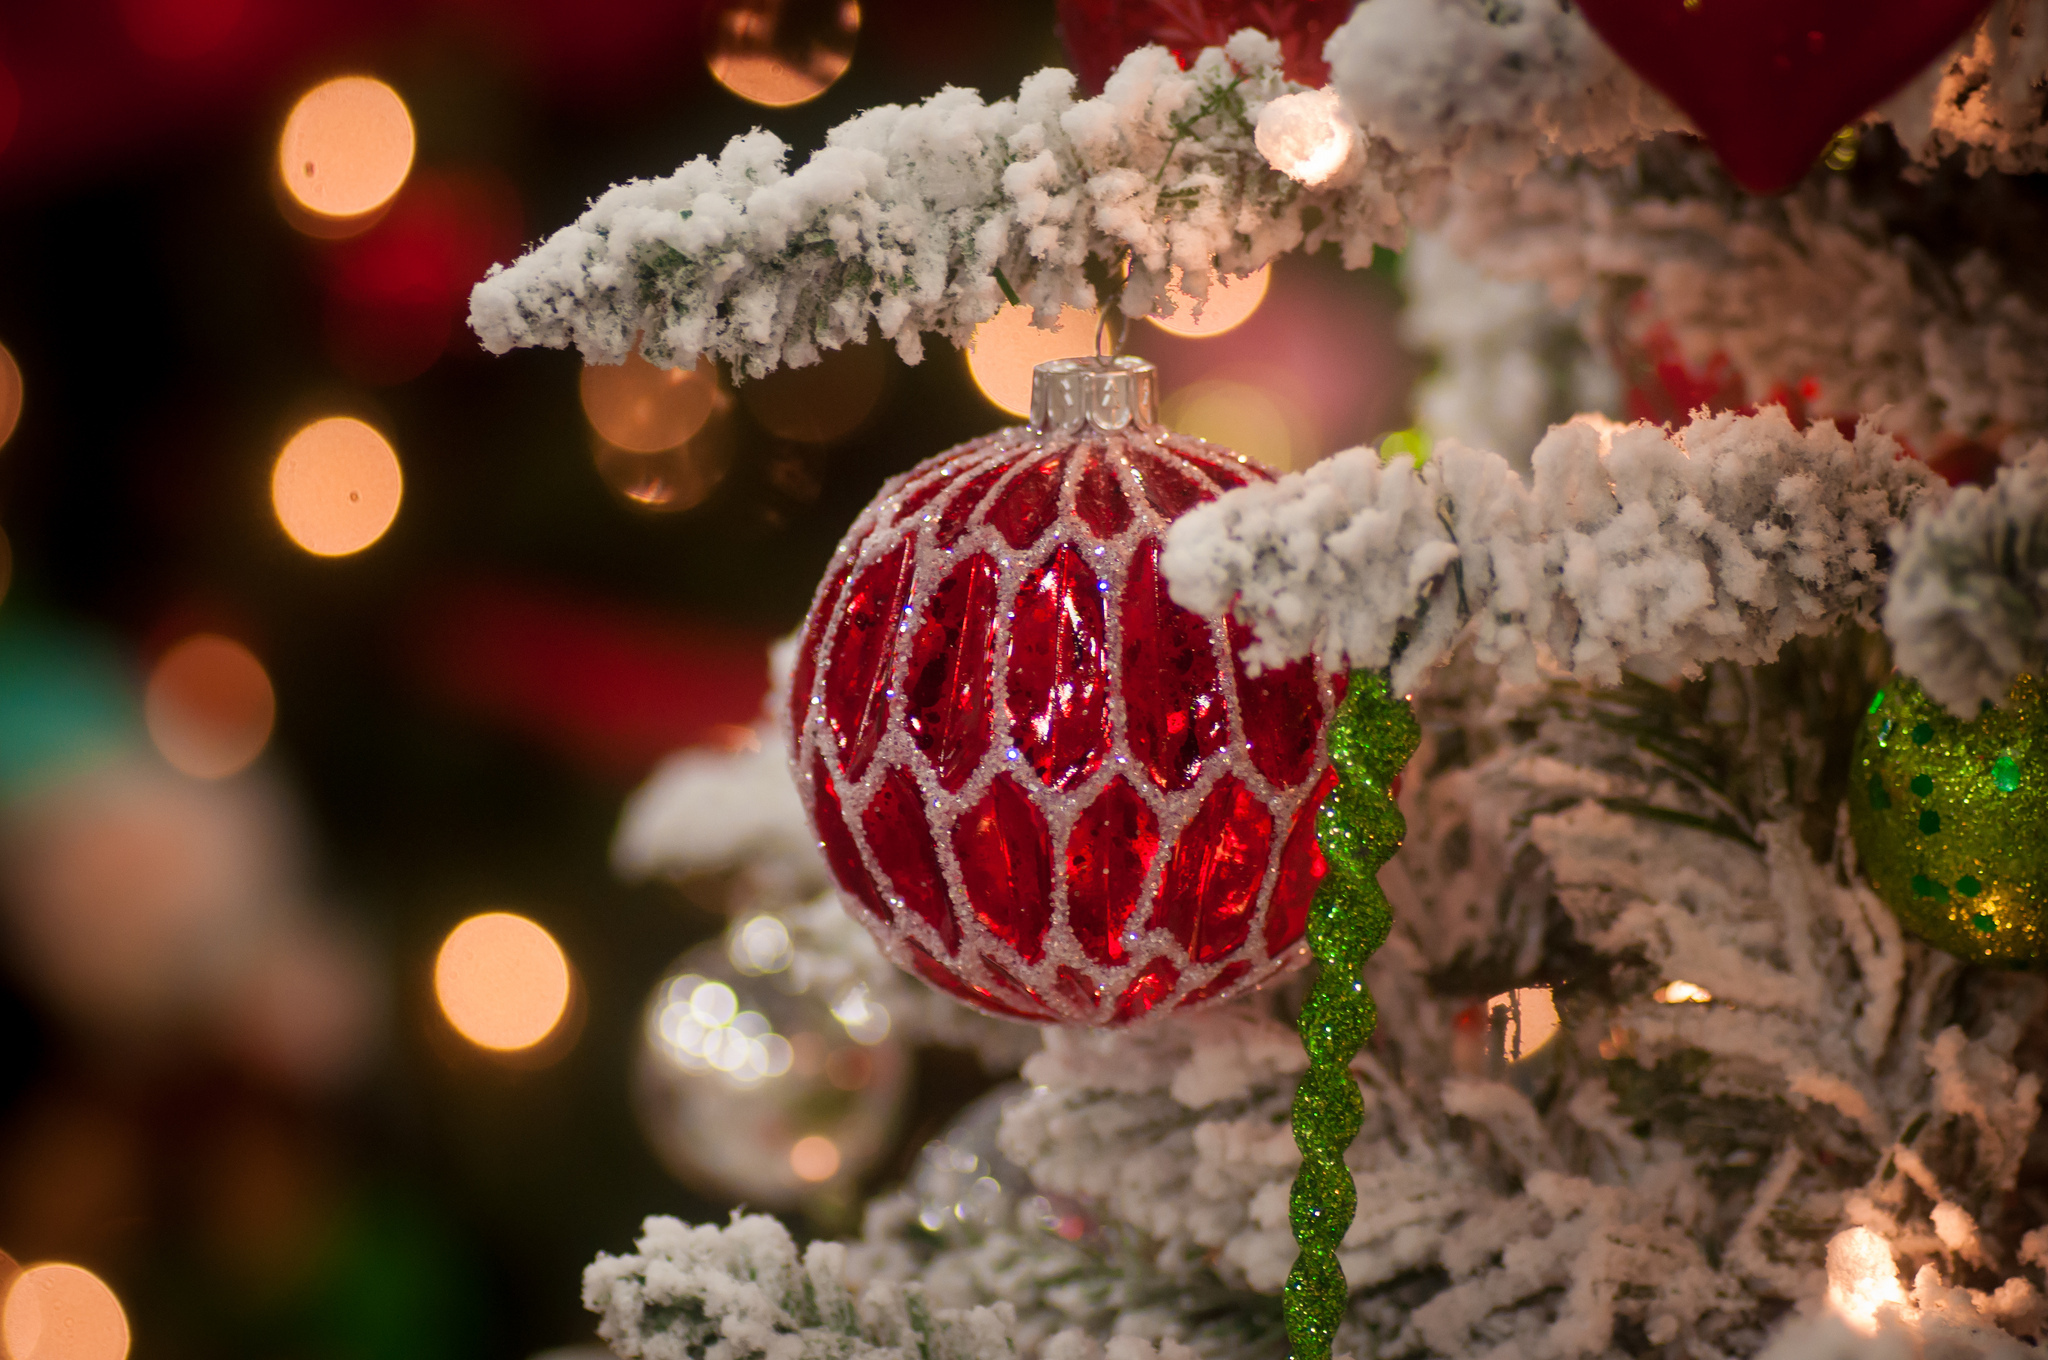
336,487
1672,993
346,149
502,981
1310,137
1006,347
1862,1278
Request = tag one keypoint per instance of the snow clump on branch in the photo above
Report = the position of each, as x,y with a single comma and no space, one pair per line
741,1292
1968,612
1631,545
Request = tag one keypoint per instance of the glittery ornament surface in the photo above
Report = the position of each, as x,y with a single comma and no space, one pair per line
1951,820
1371,738
1043,785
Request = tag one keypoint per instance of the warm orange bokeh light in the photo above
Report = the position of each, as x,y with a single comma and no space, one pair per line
1241,417
823,402
1531,1019
347,147
781,52
1006,347
502,981
10,394
209,706
814,1158
62,1312
336,486
667,481
644,409
1230,303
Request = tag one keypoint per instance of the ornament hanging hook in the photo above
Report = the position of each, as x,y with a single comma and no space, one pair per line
1112,316
1107,278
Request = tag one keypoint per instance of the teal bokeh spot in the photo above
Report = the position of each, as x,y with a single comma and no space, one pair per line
1922,786
1923,733
1930,822
1968,886
1983,923
67,699
2005,773
1923,886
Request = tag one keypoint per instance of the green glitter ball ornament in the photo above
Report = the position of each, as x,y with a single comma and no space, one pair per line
1950,820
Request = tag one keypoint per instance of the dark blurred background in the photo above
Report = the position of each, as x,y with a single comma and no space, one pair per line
248,789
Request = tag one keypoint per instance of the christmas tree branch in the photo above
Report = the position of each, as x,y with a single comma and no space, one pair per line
1968,611
1630,545
926,218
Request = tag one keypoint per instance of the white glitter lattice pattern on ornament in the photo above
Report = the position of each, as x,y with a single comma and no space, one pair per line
1044,786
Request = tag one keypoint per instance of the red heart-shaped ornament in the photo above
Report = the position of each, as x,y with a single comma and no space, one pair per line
1770,82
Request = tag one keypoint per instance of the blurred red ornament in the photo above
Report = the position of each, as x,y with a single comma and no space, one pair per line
1100,33
1770,82
1043,785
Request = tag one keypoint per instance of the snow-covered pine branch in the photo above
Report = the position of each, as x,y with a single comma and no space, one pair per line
1968,611
1868,312
741,1293
905,218
1631,545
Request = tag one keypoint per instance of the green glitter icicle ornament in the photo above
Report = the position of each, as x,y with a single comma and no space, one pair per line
1950,820
1359,828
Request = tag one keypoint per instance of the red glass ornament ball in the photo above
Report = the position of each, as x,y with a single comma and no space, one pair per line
1043,785
1099,34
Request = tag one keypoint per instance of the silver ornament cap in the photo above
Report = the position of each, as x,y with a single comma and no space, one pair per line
1109,392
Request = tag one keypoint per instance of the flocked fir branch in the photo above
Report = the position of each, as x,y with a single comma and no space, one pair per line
742,1293
1629,546
1875,305
1968,611
925,218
